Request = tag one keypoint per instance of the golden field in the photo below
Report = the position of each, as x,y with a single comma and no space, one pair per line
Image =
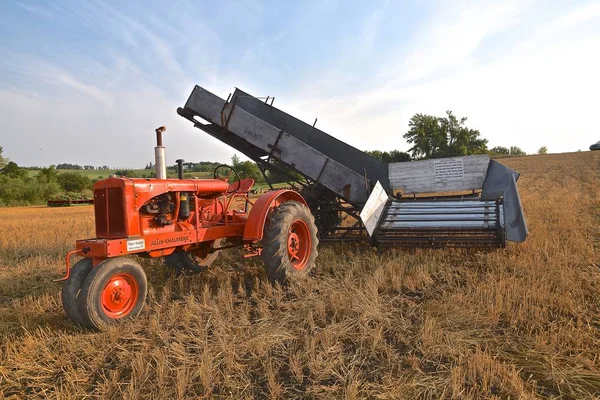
523,322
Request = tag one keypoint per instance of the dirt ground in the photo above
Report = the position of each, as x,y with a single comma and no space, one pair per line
522,322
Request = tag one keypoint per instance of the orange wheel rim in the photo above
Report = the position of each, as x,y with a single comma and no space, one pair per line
299,244
120,295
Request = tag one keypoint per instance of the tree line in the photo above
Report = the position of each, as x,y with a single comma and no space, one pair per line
429,137
18,188
448,136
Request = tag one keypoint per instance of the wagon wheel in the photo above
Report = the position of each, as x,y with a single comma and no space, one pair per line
71,290
289,245
115,290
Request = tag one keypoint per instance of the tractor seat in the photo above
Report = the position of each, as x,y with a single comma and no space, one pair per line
244,186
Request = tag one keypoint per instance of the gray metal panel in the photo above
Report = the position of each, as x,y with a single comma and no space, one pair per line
438,225
450,174
440,217
443,204
206,104
349,156
302,157
374,208
435,214
501,181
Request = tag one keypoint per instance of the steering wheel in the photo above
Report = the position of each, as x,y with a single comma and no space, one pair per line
221,173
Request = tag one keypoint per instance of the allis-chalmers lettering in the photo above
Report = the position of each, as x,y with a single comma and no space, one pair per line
158,242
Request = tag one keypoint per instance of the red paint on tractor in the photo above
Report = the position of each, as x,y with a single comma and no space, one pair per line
258,215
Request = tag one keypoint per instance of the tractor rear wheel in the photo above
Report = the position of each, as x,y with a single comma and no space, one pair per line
71,289
289,244
115,290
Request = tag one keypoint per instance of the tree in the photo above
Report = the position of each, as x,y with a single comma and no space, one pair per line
125,172
543,150
389,157
74,182
499,151
13,170
47,174
68,166
516,151
433,137
3,160
246,169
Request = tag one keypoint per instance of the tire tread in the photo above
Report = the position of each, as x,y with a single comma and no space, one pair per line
274,243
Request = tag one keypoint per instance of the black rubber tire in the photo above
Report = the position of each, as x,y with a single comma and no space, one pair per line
275,256
91,308
71,289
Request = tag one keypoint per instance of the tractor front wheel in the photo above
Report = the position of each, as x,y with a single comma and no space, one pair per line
289,245
115,290
72,288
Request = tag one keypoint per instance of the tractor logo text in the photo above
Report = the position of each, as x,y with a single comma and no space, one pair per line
159,242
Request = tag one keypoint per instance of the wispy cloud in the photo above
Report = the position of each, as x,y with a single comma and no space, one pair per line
509,97
89,90
521,79
36,10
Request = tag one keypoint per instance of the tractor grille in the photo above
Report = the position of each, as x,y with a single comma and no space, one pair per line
108,210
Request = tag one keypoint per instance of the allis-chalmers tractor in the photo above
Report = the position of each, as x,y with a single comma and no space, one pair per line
186,221
468,201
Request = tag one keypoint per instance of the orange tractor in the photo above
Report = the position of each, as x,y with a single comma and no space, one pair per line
186,221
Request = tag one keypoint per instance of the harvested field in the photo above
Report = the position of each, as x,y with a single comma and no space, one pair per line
523,322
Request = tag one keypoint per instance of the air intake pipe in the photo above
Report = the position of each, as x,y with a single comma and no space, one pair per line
179,168
160,157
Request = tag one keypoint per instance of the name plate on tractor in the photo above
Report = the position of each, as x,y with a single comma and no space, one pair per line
452,174
136,244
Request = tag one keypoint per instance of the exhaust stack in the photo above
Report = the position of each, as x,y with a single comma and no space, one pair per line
160,158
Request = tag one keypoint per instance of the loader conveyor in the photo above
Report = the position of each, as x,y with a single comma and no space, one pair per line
472,223
469,201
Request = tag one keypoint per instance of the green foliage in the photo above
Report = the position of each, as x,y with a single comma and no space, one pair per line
68,166
543,150
500,151
13,170
74,182
126,172
17,188
433,137
516,151
204,166
512,151
389,157
3,160
246,169
47,174
16,191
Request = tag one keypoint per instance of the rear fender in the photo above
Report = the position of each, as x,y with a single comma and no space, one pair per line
255,225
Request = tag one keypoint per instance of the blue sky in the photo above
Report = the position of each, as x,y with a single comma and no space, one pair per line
87,82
